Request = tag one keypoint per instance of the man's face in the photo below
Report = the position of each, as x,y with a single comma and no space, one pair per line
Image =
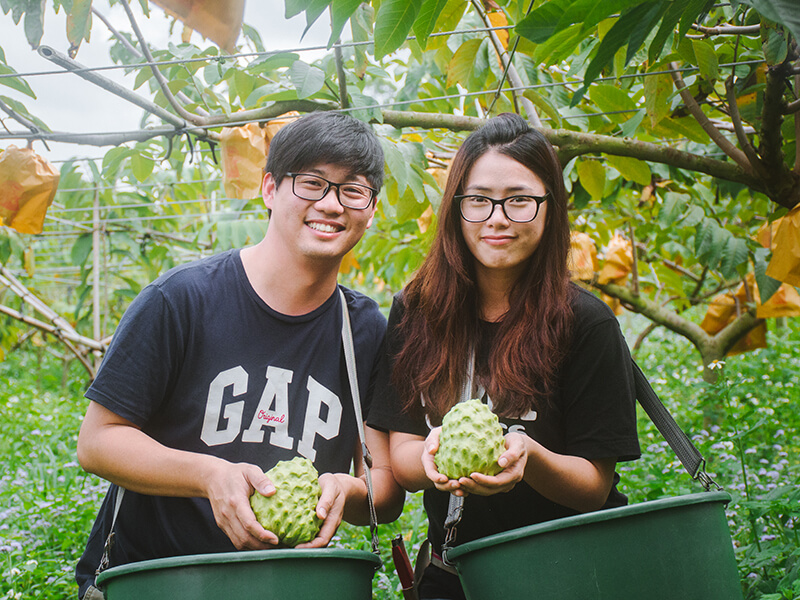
322,229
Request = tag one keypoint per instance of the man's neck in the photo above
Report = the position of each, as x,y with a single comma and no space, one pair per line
289,284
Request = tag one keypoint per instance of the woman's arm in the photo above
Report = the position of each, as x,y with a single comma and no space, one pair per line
572,481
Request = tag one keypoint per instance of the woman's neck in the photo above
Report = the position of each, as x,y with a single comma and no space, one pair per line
494,292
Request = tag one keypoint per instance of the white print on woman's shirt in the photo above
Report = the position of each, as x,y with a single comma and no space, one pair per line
272,412
531,415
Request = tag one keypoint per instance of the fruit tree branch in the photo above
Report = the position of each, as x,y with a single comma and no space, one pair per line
162,82
65,337
711,347
715,134
73,66
508,67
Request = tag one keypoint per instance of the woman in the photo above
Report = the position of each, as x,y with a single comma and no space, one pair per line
549,357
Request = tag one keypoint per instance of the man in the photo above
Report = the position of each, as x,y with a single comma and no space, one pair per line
223,367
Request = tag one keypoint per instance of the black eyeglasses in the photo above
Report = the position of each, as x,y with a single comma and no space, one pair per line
314,188
520,209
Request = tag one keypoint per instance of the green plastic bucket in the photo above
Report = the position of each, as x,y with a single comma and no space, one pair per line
673,549
330,573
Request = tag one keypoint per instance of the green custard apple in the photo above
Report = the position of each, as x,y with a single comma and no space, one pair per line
471,441
291,512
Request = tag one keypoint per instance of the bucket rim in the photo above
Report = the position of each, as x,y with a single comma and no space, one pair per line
598,516
188,560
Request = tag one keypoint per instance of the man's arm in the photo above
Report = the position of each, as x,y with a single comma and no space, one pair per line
345,496
117,450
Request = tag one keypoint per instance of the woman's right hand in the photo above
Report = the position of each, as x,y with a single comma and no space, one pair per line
440,481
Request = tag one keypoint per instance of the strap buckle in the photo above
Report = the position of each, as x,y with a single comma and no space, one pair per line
455,509
705,479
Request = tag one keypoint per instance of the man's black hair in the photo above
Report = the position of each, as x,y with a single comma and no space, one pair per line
326,138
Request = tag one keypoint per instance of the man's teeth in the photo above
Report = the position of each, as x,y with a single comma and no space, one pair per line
322,227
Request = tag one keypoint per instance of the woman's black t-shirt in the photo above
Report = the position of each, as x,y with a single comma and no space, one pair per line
590,414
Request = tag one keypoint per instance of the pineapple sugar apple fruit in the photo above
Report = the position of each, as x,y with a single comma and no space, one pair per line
291,512
471,441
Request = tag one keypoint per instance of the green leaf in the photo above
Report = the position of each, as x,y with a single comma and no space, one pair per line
312,8
341,11
631,126
591,12
292,8
243,84
671,209
783,12
710,242
34,22
543,22
5,245
775,47
632,169
671,18
706,59
412,203
223,237
306,79
113,158
693,216
657,92
212,73
361,28
580,196
692,13
592,177
611,99
79,22
767,286
81,249
461,65
560,45
392,24
267,65
685,127
425,22
365,108
734,256
142,166
15,83
639,20
544,105
639,34
397,165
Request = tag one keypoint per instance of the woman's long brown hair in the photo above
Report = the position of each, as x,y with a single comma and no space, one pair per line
441,319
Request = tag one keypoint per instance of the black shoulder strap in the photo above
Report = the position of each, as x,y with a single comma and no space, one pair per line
681,444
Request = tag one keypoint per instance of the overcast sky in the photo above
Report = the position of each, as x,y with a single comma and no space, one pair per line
69,104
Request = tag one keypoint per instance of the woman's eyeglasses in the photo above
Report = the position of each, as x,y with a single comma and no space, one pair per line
520,209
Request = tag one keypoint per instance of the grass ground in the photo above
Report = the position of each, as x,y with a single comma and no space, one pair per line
746,426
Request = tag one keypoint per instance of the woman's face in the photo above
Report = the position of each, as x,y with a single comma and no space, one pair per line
501,246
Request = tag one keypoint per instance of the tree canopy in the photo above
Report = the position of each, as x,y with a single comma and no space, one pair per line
675,120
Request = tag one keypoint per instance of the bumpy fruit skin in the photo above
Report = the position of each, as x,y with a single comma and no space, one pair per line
290,513
471,441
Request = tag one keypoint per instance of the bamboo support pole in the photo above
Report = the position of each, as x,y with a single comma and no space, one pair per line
97,333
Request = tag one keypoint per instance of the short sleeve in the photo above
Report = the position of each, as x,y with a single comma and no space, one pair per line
597,388
136,373
386,411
